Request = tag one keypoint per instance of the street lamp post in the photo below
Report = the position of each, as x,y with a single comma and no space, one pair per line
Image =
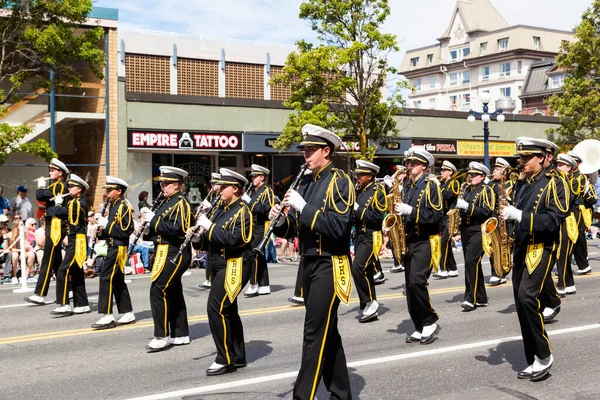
485,116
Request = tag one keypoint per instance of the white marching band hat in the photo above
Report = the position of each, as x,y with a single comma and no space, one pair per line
171,174
215,177
365,167
566,159
527,145
448,165
551,147
229,177
478,168
57,164
575,156
400,168
259,170
421,155
75,180
313,135
115,183
501,162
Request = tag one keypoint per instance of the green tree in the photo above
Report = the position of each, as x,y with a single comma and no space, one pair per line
578,106
39,36
338,83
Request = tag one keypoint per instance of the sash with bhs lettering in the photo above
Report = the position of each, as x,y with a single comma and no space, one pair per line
160,259
342,278
435,241
233,277
80,249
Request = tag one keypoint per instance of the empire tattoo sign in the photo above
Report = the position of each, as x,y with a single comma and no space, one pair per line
157,140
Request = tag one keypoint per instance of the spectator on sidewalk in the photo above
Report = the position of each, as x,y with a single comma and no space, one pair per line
20,205
5,255
143,247
15,246
4,205
143,201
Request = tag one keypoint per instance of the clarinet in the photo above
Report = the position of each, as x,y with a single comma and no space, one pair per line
260,248
104,208
192,232
159,200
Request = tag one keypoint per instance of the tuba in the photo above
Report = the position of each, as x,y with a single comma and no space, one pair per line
496,239
454,214
393,223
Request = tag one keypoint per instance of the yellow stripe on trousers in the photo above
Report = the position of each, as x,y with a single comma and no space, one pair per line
224,330
165,294
316,380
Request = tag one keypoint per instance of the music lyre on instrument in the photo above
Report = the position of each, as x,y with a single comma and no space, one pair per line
260,248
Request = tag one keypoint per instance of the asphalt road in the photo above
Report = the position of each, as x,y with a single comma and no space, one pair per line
476,355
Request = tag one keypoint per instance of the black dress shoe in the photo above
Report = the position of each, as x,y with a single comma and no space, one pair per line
222,370
367,318
240,364
427,339
158,349
539,375
412,339
251,294
468,307
38,303
551,316
523,375
111,324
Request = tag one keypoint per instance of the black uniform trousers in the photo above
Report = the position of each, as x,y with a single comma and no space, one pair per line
167,303
259,273
565,248
322,351
580,251
112,283
298,290
208,269
50,260
527,289
448,262
69,268
473,252
224,318
363,267
417,264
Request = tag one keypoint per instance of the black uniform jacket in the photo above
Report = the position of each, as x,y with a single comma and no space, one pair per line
325,224
75,213
120,224
54,189
262,200
230,236
172,220
450,189
425,197
372,205
482,202
544,201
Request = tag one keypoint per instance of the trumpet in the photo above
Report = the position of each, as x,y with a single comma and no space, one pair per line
41,177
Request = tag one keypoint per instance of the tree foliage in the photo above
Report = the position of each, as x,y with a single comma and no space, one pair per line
338,83
578,107
39,36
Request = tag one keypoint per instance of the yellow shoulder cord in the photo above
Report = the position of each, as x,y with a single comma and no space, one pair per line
120,216
76,222
329,195
375,200
436,207
553,191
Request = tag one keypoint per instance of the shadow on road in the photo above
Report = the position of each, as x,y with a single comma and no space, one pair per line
508,310
506,352
458,298
199,330
257,349
405,327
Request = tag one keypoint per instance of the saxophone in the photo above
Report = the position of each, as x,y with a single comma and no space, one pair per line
495,235
393,223
454,214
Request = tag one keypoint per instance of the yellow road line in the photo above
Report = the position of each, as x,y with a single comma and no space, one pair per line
198,318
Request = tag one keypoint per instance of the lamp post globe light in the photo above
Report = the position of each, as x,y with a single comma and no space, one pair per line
506,103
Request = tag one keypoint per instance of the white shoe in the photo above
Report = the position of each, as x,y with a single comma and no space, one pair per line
452,273
178,341
561,292
127,318
503,280
187,273
377,276
547,311
371,308
70,295
429,330
442,274
14,281
107,319
35,299
542,363
205,284
158,344
264,290
494,280
252,291
397,268
584,271
62,310
570,289
82,310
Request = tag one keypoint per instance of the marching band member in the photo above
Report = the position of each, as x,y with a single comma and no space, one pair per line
499,169
422,211
260,199
583,215
450,188
116,230
168,228
75,213
540,204
476,207
215,189
323,208
227,237
56,229
401,171
369,210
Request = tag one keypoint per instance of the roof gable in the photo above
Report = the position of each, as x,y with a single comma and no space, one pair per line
476,15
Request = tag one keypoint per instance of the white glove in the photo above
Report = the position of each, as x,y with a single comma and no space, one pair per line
296,201
461,204
41,183
147,217
206,204
274,211
402,208
247,199
102,222
204,222
388,181
510,212
356,206
58,200
434,179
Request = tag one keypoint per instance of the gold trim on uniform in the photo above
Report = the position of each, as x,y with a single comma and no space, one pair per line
342,278
160,258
